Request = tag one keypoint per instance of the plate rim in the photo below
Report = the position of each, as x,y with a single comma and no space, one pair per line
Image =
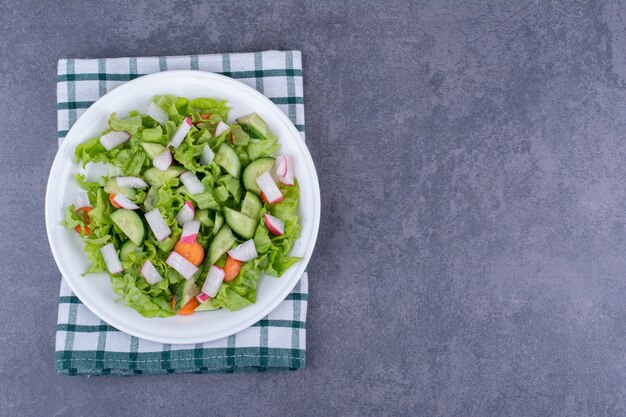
119,323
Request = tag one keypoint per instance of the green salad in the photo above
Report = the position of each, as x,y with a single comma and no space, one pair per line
192,207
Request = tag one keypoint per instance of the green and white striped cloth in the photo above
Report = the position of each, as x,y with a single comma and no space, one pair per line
85,345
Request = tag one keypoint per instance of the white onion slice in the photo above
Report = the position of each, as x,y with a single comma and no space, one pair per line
190,232
214,279
207,155
155,220
221,128
193,184
150,273
275,225
157,113
186,213
113,139
244,252
163,161
181,265
130,182
111,259
269,188
181,133
125,202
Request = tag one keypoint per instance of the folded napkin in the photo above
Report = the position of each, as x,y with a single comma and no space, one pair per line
85,345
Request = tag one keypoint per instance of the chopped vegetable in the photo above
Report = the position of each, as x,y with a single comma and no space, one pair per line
189,307
193,184
124,202
155,220
186,213
244,252
113,139
157,113
213,281
149,272
231,268
275,225
207,155
284,169
163,161
193,252
221,128
83,214
190,232
113,202
268,188
112,261
181,133
131,182
181,265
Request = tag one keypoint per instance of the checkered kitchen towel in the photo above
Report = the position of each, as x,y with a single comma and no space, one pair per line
85,345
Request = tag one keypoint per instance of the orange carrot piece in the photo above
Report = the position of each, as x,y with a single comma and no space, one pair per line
193,252
113,202
231,269
86,210
188,308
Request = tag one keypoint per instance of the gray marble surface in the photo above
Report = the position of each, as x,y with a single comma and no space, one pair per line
471,257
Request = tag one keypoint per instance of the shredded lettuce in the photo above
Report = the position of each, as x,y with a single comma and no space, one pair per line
168,195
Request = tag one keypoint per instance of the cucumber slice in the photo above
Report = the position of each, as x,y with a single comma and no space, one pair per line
254,126
130,223
228,159
251,205
186,291
111,187
254,171
157,178
152,199
219,221
152,149
222,242
202,216
127,248
241,224
206,306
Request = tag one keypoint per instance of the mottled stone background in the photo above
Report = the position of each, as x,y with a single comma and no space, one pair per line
471,155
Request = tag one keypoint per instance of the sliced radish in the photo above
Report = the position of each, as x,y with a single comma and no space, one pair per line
203,298
155,220
244,252
275,225
193,184
181,265
221,128
269,188
181,133
150,273
207,155
284,169
157,113
125,202
130,182
111,259
214,279
190,232
186,213
163,161
113,139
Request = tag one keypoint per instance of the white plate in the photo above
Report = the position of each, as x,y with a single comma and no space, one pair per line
95,290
